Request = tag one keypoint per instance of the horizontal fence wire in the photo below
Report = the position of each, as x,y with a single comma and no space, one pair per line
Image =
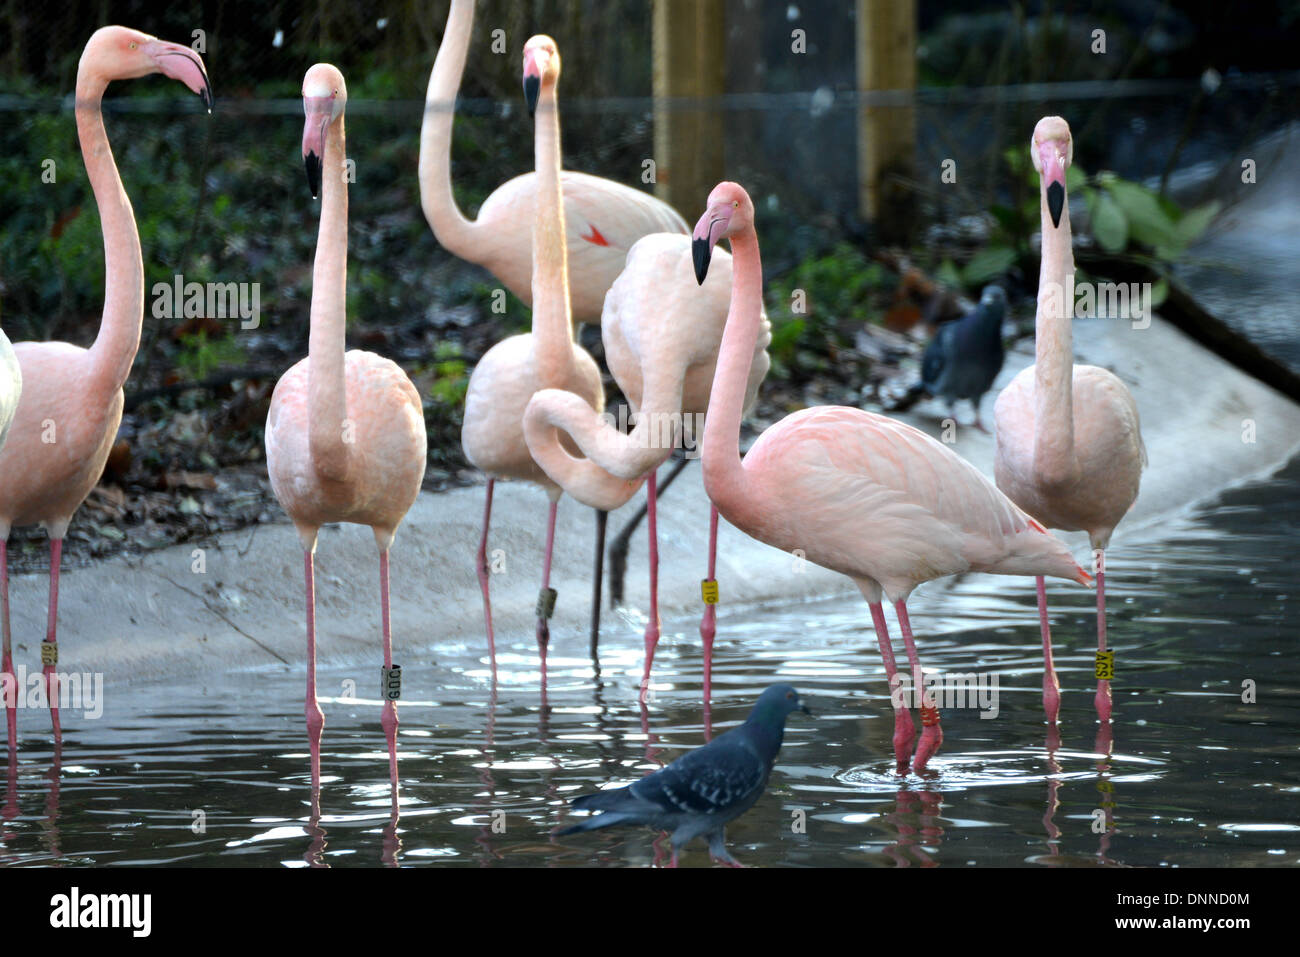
814,101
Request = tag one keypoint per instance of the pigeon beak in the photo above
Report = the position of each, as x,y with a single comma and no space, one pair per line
806,710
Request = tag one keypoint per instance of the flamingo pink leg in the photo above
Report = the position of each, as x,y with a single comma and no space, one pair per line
315,717
1051,686
543,626
931,732
484,572
652,623
904,729
1103,684
51,636
389,718
10,689
709,623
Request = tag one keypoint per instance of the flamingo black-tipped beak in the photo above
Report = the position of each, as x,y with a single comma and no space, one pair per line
711,227
702,253
319,112
1055,202
1053,171
532,90
183,64
314,168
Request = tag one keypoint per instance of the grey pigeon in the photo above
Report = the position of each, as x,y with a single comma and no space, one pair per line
704,789
965,355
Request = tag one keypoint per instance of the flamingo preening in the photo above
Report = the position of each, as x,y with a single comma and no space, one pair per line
858,493
345,434
71,402
661,336
602,218
1069,444
513,370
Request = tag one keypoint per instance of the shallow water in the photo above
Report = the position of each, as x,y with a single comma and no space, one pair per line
1196,777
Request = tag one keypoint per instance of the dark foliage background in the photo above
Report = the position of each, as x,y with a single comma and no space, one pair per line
223,198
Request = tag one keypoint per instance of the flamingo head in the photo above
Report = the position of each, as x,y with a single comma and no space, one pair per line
324,95
729,211
541,68
120,53
1052,152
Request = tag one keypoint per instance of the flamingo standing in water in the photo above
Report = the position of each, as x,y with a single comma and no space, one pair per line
661,336
513,370
602,218
1069,444
71,403
345,435
858,493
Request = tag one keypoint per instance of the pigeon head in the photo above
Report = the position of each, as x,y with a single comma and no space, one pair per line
775,704
993,295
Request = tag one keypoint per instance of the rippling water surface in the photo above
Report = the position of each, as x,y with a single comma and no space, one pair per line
217,774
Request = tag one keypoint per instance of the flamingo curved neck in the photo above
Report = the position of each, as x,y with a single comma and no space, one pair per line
118,339
329,437
613,469
724,475
1054,460
453,230
552,318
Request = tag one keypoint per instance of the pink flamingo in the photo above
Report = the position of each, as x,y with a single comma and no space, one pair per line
11,386
513,370
1069,445
661,336
71,402
345,436
602,218
855,492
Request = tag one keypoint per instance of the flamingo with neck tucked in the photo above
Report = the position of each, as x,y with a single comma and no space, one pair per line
858,493
602,218
345,435
515,369
661,336
71,403
1069,443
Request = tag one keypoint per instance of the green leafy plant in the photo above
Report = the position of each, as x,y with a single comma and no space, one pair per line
449,379
1124,218
200,356
818,306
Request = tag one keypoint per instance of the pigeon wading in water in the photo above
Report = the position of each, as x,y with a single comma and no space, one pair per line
703,790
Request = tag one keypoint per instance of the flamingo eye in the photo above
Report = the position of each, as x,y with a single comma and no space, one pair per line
133,44
735,203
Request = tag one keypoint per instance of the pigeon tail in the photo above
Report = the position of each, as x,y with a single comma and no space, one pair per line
597,821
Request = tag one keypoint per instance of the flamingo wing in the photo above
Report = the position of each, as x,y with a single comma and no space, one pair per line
872,497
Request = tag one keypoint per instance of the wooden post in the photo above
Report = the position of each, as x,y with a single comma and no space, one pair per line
887,134
690,60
